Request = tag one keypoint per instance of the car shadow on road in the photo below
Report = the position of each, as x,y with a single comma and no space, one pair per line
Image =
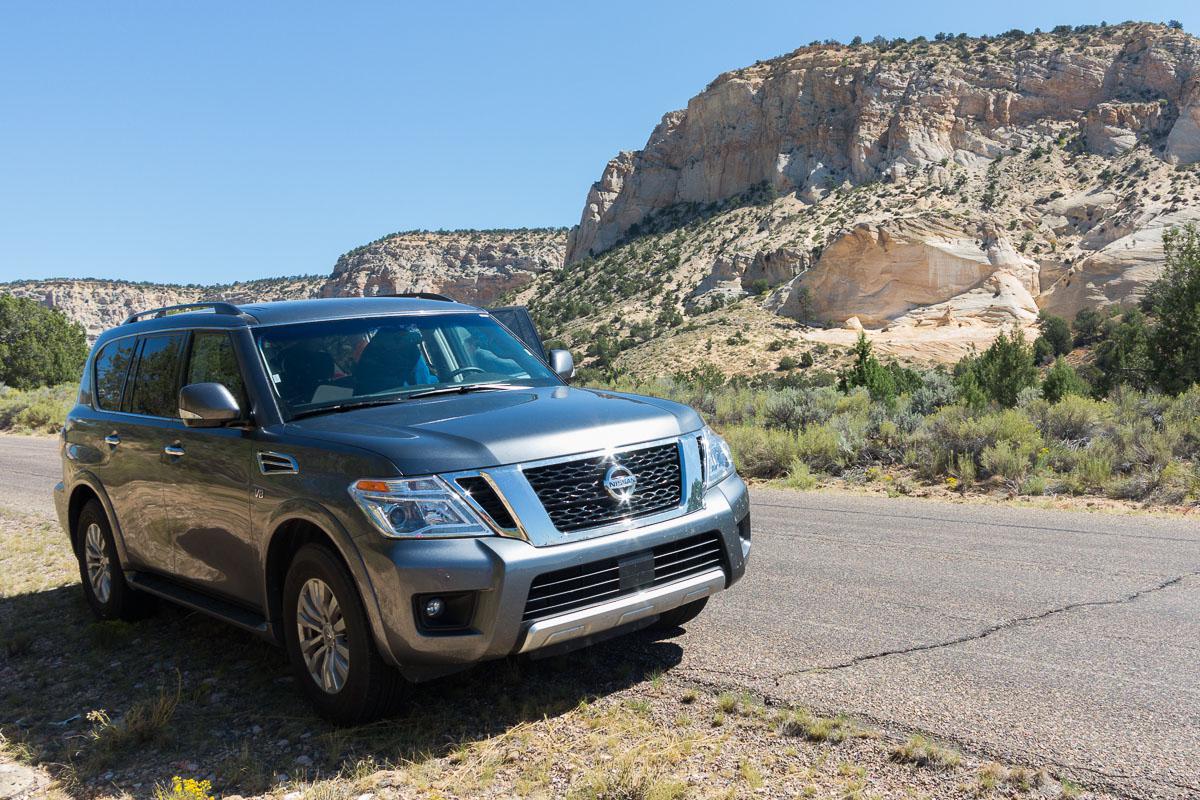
116,706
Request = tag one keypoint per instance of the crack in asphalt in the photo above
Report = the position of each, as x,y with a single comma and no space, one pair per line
988,631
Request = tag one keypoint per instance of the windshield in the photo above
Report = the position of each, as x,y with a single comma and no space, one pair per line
336,363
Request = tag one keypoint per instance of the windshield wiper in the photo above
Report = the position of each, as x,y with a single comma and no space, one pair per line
464,389
336,407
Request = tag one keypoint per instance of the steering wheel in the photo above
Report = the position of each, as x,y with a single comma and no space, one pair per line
461,371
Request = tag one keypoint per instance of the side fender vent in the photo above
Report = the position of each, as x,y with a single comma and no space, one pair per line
277,464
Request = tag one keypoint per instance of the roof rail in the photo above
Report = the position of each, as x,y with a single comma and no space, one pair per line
215,307
420,296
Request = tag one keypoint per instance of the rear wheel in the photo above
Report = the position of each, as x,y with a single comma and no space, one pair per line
329,642
104,586
678,617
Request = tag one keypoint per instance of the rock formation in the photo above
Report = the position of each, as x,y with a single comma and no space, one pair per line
471,266
923,187
101,304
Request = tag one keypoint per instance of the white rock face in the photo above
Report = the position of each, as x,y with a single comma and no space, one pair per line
101,304
472,266
939,185
837,113
475,266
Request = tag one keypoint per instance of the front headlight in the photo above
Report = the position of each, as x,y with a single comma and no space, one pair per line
416,508
718,461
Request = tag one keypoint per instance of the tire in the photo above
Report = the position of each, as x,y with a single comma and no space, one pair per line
349,684
678,617
104,586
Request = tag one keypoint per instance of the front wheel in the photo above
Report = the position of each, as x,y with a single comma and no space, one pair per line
678,617
329,642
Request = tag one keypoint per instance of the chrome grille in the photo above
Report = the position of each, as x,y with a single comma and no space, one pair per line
573,588
574,496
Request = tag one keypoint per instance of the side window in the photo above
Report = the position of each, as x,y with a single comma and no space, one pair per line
112,365
156,380
213,360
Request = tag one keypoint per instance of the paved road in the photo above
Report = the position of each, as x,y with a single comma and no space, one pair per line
1038,637
29,468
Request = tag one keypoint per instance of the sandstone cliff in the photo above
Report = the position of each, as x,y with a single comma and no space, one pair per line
100,304
931,190
471,266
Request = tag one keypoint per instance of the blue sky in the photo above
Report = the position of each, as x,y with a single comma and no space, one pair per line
203,142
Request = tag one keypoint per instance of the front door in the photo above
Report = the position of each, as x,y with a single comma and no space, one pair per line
208,493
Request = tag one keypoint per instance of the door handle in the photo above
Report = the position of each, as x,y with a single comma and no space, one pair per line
174,450
112,440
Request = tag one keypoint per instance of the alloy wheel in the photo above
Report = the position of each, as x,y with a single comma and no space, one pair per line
96,559
323,640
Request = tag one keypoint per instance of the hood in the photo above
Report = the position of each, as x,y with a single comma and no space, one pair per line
488,429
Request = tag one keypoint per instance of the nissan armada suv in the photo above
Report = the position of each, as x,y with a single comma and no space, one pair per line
390,487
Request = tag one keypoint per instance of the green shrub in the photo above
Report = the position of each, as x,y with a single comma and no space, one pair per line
760,452
1174,302
39,346
785,410
1182,420
1000,372
937,390
1123,354
1092,470
1087,326
1008,461
800,477
1054,338
1062,380
1178,483
1074,419
819,447
1034,485
964,470
36,410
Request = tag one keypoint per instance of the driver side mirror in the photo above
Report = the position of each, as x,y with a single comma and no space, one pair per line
563,364
207,405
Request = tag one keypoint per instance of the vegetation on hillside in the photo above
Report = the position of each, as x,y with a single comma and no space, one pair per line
1126,424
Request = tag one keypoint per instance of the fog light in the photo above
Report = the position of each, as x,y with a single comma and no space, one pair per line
434,607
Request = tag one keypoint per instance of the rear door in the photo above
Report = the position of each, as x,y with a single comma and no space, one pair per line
97,428
207,486
148,427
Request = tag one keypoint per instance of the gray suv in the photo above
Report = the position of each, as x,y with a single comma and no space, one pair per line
391,487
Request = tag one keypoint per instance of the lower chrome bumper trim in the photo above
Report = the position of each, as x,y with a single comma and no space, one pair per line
622,611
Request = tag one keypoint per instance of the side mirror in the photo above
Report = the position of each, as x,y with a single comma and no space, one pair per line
563,364
207,405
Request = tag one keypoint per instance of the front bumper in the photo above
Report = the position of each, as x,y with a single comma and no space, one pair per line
501,570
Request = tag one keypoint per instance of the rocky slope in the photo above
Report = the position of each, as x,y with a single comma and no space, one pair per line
931,190
474,266
100,304
471,266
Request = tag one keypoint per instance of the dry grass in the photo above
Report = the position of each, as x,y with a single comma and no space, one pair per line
924,752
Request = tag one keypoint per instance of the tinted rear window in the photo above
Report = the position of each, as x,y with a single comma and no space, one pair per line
112,365
155,388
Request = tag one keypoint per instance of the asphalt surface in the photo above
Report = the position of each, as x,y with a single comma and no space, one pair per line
1048,638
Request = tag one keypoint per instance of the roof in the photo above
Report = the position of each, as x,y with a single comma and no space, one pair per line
285,311
343,307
